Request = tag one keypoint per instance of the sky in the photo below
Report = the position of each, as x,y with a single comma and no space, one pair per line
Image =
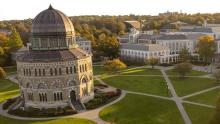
24,9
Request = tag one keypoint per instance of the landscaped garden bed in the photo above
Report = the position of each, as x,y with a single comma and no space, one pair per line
101,99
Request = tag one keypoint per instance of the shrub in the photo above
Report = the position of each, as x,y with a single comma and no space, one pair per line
2,73
8,103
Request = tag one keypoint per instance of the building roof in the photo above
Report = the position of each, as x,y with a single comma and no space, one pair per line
52,22
143,47
172,37
52,56
134,24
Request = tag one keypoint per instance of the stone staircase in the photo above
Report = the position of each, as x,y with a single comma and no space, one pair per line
78,105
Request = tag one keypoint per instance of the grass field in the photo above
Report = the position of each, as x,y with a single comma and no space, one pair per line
4,120
198,114
141,71
98,70
191,84
141,84
209,98
9,89
137,109
192,73
11,69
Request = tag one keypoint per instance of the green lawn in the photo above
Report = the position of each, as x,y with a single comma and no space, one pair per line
209,98
142,71
141,84
192,73
4,120
191,84
98,70
8,89
198,114
11,69
137,109
96,82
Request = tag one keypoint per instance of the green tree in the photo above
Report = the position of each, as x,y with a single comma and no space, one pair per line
183,68
184,55
206,48
2,73
152,61
114,65
15,41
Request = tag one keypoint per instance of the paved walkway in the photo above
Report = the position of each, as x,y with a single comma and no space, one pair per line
200,92
177,99
94,114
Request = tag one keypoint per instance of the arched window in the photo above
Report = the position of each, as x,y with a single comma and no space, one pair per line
74,69
39,72
61,96
80,68
51,71
67,70
85,67
71,70
35,70
40,97
45,97
24,72
55,96
44,72
58,96
29,72
55,71
60,71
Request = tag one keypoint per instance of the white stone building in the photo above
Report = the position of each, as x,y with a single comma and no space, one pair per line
84,44
141,52
54,72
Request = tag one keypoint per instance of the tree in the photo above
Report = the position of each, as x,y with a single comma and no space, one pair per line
152,61
216,118
184,55
15,41
114,65
216,75
2,73
183,68
206,48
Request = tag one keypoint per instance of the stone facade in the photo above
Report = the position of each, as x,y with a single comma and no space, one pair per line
54,73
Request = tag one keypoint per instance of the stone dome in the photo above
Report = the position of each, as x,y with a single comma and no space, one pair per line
52,22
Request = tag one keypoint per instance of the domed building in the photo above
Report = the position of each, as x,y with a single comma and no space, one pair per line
54,72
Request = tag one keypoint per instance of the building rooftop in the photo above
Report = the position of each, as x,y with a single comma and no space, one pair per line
143,47
172,37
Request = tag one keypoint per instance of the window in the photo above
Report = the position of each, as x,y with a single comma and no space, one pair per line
44,72
39,72
29,72
74,69
71,70
85,67
67,70
60,71
51,71
55,71
35,70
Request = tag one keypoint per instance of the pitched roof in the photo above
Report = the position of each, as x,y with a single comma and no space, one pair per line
134,24
48,56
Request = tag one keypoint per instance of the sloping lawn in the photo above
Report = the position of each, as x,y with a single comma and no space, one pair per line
141,71
4,120
191,85
11,69
151,85
137,109
198,114
8,89
98,70
192,73
209,98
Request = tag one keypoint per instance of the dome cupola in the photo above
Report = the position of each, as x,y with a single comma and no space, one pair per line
52,30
